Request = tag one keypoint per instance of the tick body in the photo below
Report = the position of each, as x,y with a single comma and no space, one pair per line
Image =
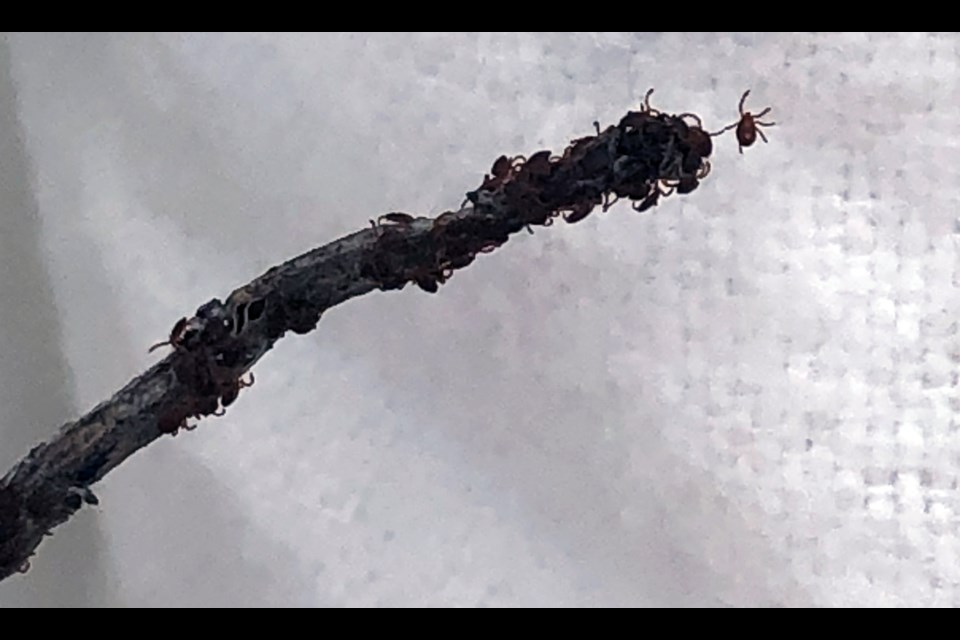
501,167
579,211
649,201
395,218
653,196
537,165
748,127
699,140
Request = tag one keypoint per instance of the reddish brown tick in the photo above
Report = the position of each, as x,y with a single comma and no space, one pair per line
176,336
698,139
748,126
396,218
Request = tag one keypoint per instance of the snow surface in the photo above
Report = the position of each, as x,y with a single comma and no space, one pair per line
745,397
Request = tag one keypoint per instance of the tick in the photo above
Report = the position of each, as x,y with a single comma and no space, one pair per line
698,139
748,127
176,336
395,218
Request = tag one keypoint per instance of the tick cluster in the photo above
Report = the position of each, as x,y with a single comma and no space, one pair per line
648,155
211,381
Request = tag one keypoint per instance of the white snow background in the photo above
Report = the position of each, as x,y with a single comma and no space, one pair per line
746,396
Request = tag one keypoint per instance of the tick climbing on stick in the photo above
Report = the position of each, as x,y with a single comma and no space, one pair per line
176,336
748,126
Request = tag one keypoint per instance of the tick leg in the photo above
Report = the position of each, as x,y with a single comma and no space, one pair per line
182,425
607,203
243,383
762,136
646,103
704,170
670,187
158,345
762,113
725,129
694,116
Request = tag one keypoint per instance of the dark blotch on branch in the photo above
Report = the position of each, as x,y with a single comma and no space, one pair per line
256,310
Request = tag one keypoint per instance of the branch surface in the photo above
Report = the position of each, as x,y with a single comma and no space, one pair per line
646,156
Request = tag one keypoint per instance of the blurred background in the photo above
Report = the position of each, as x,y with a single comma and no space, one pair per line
746,396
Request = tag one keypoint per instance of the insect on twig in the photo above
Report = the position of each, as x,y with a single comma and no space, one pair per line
176,336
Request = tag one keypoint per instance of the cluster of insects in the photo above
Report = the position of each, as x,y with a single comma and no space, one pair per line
682,164
649,155
219,392
229,392
694,165
443,263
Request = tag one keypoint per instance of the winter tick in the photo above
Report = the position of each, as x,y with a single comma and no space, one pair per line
748,126
176,336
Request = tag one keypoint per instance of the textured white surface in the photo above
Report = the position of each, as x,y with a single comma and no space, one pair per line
745,398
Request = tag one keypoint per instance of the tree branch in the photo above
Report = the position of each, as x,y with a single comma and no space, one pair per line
647,155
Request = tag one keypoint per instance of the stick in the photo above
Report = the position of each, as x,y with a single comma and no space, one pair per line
213,349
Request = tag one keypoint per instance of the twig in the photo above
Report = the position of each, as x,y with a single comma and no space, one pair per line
214,348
